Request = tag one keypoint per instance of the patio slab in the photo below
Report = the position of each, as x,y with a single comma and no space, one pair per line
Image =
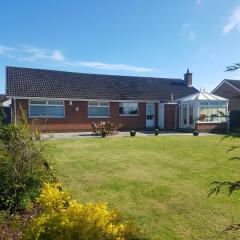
76,135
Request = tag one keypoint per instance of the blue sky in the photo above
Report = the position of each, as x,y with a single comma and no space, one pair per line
138,37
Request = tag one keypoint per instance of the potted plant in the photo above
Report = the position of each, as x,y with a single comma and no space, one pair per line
132,133
156,131
104,133
195,133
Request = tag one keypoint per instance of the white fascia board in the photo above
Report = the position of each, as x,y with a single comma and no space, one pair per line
78,99
218,86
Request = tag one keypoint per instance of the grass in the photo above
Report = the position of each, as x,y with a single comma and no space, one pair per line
160,182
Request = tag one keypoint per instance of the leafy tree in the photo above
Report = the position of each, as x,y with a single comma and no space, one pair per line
233,67
230,186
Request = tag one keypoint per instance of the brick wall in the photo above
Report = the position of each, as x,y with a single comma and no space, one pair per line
211,127
79,121
230,93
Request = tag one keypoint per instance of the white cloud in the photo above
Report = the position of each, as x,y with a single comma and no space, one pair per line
31,54
199,2
108,66
188,32
5,49
233,21
57,55
34,54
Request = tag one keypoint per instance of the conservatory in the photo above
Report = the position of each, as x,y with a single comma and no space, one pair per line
203,111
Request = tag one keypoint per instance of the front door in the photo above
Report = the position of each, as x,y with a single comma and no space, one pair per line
187,116
150,115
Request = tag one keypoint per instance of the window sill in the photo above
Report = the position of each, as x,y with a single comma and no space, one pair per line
98,117
128,115
45,117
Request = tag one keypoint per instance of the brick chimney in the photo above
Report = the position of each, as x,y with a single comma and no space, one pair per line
188,78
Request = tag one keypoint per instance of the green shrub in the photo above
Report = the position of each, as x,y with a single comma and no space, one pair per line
64,219
3,216
195,133
22,166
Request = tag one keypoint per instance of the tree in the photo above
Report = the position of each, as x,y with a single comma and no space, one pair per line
230,186
233,67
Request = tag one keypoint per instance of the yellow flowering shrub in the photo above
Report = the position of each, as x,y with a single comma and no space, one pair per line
62,218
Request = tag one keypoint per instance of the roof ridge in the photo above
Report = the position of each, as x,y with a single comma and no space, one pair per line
227,79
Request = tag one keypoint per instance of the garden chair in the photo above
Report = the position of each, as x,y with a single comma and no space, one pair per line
114,128
111,128
95,129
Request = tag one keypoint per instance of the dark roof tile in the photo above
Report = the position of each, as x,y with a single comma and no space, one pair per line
235,83
27,82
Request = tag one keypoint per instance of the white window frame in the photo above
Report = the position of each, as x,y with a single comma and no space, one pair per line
46,104
128,115
96,105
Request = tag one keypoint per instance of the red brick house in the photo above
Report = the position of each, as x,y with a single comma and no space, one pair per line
67,101
230,89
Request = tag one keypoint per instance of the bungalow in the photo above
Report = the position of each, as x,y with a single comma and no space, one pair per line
67,101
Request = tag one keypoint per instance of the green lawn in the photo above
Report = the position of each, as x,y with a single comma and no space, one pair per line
161,182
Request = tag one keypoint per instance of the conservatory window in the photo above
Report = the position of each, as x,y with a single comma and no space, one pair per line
212,112
184,114
46,109
191,108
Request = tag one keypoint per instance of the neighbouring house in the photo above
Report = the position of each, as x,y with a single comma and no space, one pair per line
230,89
67,101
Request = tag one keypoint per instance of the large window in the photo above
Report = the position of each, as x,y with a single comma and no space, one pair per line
213,112
98,109
128,108
46,109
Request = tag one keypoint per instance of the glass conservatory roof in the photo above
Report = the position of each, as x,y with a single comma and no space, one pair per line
202,96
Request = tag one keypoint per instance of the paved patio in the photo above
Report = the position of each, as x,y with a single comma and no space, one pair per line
76,135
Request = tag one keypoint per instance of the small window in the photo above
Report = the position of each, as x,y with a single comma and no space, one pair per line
128,109
38,102
203,103
54,102
92,103
223,104
103,104
98,109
